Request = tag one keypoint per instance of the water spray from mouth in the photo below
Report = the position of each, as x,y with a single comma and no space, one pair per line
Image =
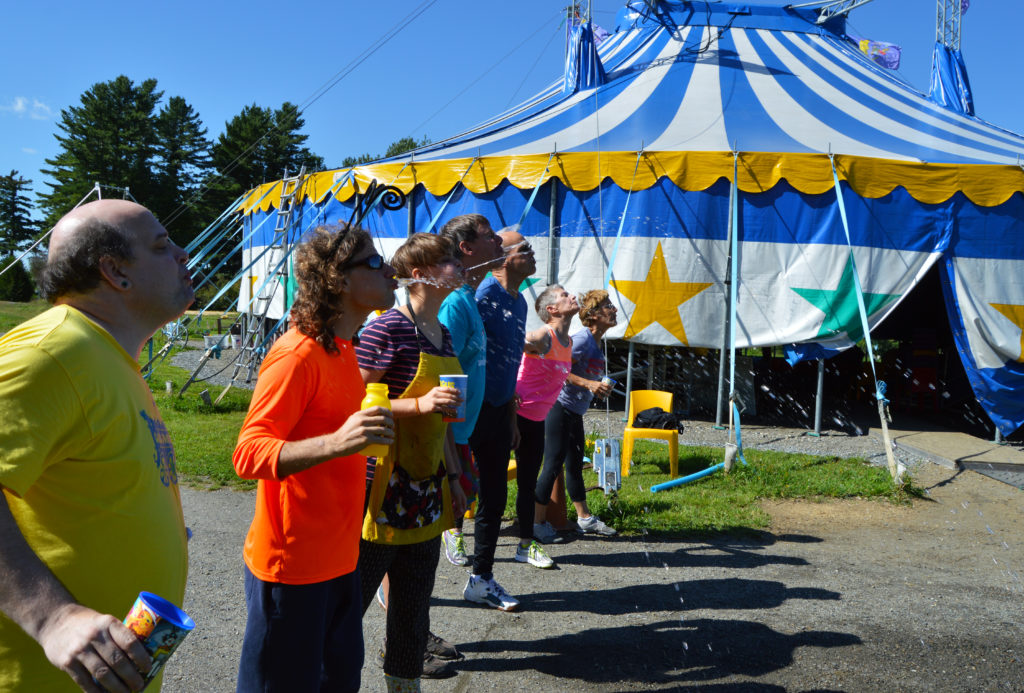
498,259
406,282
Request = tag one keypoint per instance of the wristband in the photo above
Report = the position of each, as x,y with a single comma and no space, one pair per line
416,401
453,476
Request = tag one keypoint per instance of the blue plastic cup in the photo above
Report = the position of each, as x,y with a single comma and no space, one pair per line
160,626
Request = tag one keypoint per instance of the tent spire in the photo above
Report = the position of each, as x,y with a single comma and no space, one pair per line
583,68
950,87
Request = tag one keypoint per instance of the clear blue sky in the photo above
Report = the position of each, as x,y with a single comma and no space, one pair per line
459,63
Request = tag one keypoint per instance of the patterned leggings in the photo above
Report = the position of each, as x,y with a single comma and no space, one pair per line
410,569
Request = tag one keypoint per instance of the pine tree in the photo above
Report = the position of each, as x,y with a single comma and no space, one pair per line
394,149
406,144
109,139
16,224
15,283
182,161
260,145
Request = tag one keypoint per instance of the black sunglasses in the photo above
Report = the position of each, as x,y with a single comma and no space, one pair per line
374,262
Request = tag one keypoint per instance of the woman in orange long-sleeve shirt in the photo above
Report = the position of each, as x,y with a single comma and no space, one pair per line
302,439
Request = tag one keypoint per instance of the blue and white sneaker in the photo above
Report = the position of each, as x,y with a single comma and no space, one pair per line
489,592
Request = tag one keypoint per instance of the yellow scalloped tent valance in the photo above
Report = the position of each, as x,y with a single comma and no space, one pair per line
986,185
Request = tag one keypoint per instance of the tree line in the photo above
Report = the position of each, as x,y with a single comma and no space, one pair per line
127,135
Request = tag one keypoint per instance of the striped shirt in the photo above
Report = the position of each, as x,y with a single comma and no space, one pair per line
391,344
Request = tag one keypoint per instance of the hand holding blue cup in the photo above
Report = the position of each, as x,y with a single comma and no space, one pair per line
160,626
457,382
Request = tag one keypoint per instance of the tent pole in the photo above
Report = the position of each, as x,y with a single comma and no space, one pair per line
725,325
629,377
817,400
411,228
650,367
552,225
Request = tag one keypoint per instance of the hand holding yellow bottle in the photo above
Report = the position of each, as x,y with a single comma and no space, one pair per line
376,396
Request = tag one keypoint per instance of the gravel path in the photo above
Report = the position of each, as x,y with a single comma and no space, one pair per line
838,596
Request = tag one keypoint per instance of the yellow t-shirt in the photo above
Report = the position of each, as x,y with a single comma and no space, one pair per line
89,473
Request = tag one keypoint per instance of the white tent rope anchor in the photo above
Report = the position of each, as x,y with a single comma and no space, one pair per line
733,448
895,470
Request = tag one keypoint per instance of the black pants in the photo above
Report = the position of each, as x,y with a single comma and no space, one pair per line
410,569
529,455
305,638
491,442
563,441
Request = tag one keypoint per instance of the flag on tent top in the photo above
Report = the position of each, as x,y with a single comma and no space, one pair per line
964,4
885,54
600,34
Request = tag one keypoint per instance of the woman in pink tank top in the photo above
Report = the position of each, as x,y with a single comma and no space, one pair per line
547,360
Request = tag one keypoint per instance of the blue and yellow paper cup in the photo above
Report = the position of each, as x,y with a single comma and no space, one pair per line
461,383
160,626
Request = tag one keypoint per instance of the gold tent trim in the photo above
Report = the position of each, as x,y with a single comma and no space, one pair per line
986,185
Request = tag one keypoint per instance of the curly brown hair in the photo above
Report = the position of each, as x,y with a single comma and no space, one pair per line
589,303
319,273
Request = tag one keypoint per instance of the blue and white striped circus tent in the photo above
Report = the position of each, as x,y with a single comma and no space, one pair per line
621,175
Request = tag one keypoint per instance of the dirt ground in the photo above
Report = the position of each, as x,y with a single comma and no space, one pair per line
835,596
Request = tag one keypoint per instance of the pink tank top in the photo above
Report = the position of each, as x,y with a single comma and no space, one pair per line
541,378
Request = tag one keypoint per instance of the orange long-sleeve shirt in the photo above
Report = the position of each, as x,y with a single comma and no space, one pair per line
306,526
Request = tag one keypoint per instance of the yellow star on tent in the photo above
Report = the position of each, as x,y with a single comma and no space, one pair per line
657,299
1014,314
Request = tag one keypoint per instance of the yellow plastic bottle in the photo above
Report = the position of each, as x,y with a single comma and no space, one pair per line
376,396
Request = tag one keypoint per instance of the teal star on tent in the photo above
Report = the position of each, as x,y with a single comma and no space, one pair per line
840,306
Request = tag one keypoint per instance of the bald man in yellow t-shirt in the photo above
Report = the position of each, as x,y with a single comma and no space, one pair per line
90,513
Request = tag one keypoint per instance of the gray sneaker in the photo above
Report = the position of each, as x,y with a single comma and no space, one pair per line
535,555
546,534
593,525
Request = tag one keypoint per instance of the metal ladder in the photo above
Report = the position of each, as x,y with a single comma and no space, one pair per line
254,324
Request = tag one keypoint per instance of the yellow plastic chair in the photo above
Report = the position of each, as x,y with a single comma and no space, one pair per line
638,401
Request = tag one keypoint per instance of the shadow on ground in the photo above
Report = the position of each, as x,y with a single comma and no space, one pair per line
664,652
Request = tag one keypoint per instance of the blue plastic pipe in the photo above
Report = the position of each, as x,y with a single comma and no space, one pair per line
687,479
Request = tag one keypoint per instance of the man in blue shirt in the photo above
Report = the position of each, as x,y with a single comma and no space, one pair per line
503,312
477,247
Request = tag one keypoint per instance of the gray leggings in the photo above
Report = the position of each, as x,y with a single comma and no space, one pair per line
563,441
410,569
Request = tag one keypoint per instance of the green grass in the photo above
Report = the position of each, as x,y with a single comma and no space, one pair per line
13,313
727,502
204,436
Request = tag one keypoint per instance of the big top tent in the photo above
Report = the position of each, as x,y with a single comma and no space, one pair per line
621,174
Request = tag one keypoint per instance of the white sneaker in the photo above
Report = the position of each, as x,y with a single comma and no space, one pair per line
545,533
489,592
454,547
535,555
593,525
